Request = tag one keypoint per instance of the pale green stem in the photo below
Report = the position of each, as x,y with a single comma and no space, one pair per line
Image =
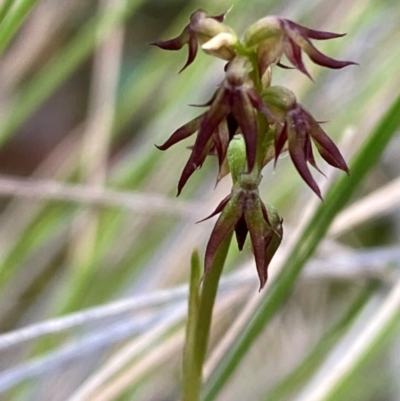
201,317
189,377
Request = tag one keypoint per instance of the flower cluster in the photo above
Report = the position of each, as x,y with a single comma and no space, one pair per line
248,123
233,107
298,129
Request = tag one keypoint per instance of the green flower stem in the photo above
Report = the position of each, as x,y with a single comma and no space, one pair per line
190,381
199,323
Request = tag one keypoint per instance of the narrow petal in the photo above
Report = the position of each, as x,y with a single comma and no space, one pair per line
223,171
212,118
218,209
293,53
327,148
175,43
325,61
221,142
281,137
193,46
187,172
272,243
201,14
206,104
224,225
257,228
241,231
316,56
297,153
244,114
273,219
273,238
232,125
265,213
220,17
192,165
285,67
310,155
311,33
182,133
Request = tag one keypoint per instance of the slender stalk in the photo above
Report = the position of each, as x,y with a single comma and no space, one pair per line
15,18
189,377
208,295
5,8
198,333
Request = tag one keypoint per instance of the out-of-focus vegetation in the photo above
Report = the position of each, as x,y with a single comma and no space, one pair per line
95,248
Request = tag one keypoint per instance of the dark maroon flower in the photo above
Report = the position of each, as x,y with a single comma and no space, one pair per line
244,212
297,130
200,29
232,107
274,36
298,37
216,145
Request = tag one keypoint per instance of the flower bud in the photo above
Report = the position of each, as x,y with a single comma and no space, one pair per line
268,28
279,99
200,30
237,158
244,212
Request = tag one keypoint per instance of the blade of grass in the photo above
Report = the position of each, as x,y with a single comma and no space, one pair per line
374,336
133,376
62,65
90,343
127,355
95,153
310,364
11,19
337,197
5,8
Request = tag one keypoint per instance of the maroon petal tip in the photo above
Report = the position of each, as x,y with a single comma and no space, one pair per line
220,17
262,284
284,66
300,163
310,33
160,147
217,210
293,53
193,46
173,44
